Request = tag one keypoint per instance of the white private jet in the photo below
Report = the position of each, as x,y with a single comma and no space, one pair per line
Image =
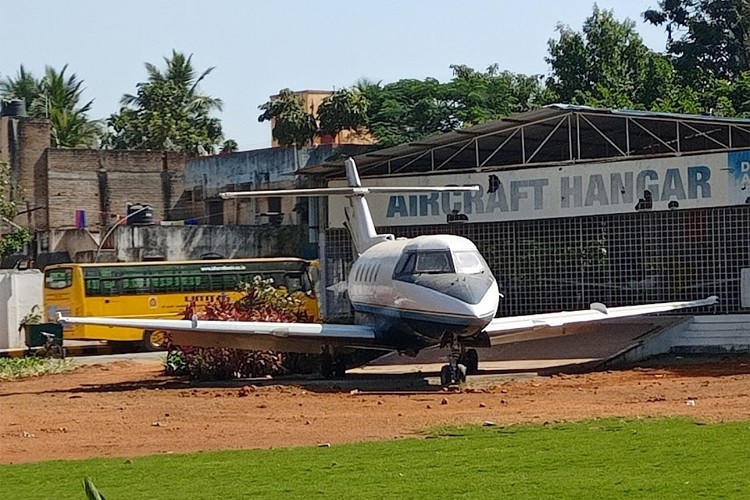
407,294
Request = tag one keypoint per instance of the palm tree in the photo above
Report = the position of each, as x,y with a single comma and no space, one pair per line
181,74
71,129
168,111
57,97
60,100
24,86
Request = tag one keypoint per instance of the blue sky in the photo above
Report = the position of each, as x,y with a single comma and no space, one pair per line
259,47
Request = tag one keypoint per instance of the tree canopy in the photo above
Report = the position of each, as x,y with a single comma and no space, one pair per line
59,98
292,123
706,35
168,111
11,241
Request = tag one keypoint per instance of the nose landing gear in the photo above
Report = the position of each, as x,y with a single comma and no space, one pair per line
455,371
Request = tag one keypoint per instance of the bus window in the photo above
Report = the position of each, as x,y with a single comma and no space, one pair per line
109,287
58,278
164,284
132,286
224,282
195,283
92,287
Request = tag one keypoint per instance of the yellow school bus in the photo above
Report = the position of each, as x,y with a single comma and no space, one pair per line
161,290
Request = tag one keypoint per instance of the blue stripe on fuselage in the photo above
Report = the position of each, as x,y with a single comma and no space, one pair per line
407,314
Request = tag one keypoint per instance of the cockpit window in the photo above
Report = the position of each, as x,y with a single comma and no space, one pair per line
469,262
434,262
425,262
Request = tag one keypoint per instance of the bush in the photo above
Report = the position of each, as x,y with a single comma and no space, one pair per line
13,368
260,302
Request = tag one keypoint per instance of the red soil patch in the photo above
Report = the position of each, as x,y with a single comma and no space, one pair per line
129,408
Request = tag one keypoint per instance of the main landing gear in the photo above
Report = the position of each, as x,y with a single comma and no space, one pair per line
332,364
461,361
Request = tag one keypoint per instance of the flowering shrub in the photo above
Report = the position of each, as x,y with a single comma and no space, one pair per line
260,301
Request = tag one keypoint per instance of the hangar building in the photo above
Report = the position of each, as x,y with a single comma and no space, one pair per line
578,205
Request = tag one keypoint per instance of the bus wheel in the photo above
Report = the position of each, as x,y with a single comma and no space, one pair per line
154,340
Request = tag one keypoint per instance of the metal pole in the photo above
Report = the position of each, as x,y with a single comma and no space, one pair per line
101,241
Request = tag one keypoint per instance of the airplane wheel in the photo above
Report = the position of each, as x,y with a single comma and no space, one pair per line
445,376
326,365
471,360
339,367
461,373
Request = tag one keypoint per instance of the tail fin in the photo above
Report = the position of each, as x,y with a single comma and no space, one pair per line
359,219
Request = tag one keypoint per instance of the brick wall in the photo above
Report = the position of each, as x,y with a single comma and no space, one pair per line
103,182
23,143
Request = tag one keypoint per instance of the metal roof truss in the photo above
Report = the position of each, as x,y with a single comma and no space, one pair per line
565,137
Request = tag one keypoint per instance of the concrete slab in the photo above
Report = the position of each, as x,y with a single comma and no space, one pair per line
583,345
518,366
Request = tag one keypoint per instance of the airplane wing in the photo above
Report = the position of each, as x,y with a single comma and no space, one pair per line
254,335
522,328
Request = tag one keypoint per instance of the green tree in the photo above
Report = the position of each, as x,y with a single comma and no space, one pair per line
59,98
292,123
168,111
230,146
608,65
481,96
707,35
408,110
601,64
14,240
23,86
345,109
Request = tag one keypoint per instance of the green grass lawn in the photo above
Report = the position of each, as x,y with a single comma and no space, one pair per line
652,458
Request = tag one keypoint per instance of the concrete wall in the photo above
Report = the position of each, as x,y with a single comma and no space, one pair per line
19,292
714,334
134,243
271,168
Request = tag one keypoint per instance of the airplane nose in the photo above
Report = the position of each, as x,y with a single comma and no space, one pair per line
470,289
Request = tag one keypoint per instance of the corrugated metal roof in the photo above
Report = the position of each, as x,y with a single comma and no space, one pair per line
542,114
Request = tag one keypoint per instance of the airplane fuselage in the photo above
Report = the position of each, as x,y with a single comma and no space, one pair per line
423,289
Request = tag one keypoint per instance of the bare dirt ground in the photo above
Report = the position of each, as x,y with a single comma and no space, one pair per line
128,408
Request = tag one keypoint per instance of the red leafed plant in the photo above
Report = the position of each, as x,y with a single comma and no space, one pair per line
260,301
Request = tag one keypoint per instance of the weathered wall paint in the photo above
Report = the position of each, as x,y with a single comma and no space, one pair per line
19,292
136,243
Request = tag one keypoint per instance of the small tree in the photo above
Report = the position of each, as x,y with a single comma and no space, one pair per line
345,109
292,124
12,242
